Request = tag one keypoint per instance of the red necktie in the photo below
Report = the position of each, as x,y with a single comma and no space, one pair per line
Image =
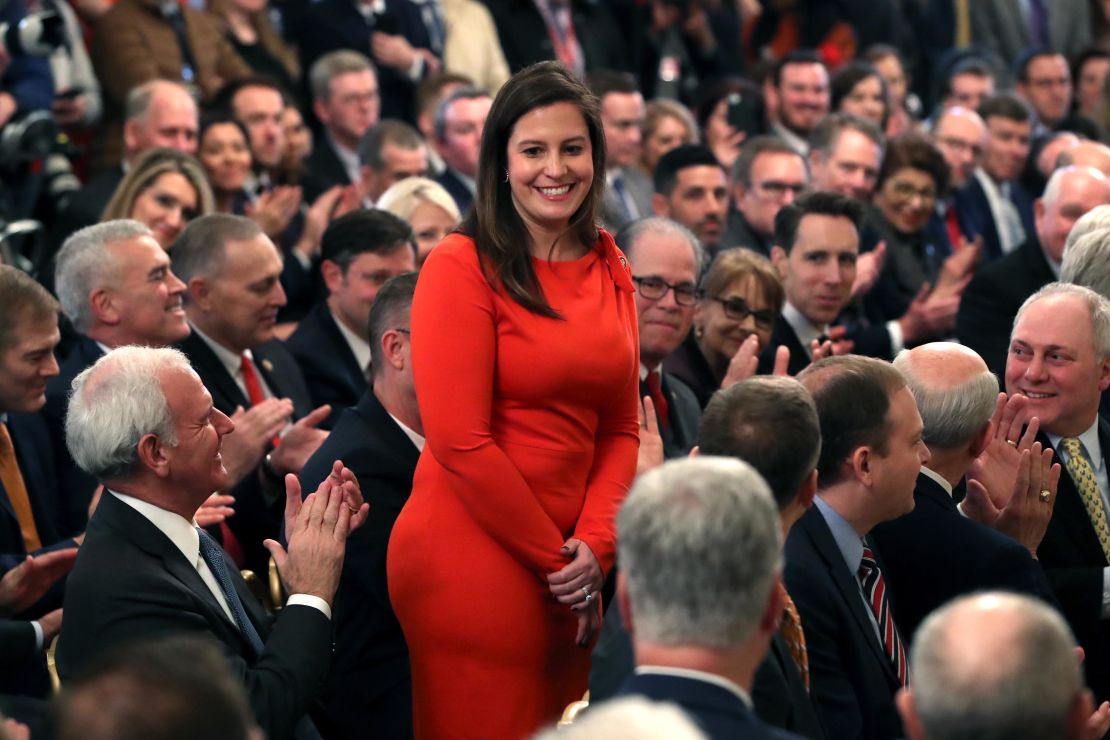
250,377
655,390
874,588
955,236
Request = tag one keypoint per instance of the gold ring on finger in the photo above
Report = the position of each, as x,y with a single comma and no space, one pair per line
1046,495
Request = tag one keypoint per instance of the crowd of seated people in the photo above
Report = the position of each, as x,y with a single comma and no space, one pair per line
863,248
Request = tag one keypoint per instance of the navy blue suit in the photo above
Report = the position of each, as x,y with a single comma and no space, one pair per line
974,213
934,554
779,693
369,685
719,713
457,189
852,681
683,415
330,369
323,170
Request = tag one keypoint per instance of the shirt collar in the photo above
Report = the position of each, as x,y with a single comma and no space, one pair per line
847,540
803,327
713,678
230,360
347,158
358,345
182,533
791,138
937,478
1091,445
416,437
644,370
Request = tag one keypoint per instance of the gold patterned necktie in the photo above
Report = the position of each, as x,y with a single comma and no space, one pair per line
17,491
1080,470
791,629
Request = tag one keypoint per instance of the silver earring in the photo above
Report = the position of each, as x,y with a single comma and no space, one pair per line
506,175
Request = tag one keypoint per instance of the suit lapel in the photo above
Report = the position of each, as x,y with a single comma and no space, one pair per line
342,348
225,391
1070,512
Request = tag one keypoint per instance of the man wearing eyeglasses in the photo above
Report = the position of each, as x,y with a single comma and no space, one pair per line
1044,80
768,174
691,188
666,260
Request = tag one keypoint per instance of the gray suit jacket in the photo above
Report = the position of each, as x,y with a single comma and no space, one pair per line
638,189
1000,26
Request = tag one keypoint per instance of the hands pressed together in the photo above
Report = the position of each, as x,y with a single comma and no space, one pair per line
578,585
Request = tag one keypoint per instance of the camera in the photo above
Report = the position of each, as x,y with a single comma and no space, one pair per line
37,35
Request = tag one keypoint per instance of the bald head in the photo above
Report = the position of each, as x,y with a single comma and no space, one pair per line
995,665
960,135
954,391
1086,154
1071,193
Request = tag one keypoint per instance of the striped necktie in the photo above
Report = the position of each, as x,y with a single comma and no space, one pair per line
1080,470
874,589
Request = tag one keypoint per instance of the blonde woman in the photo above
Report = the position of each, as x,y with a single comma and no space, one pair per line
428,208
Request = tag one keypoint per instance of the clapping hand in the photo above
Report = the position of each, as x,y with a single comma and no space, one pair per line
27,582
1026,515
996,467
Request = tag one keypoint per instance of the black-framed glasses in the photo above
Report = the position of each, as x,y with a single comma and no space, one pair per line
738,309
652,288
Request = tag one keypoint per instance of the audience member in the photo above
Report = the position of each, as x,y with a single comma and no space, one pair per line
163,189
248,27
142,423
905,106
258,104
767,175
346,101
369,685
298,145
998,290
995,665
738,300
1058,360
1044,80
700,550
935,553
389,153
224,152
845,153
1089,71
626,718
711,111
961,136
667,124
857,89
1086,154
967,84
427,207
173,688
1086,259
581,37
871,454
360,251
665,259
691,188
1008,27
458,123
231,271
472,47
628,190
797,96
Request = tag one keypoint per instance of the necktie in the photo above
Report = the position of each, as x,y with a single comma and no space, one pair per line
1083,474
791,629
952,226
254,387
1038,22
655,390
214,559
629,209
874,588
16,489
962,10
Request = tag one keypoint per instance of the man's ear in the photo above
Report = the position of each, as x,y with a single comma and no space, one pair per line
200,293
321,111
659,205
152,455
392,345
332,274
103,306
1104,374
861,460
778,259
981,440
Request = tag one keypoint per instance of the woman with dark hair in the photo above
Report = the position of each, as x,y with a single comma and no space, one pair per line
223,148
860,90
718,128
524,353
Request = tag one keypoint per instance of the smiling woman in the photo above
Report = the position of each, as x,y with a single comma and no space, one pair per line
524,354
164,189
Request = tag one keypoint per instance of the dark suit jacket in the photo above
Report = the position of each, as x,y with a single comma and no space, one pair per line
1073,560
525,40
77,485
780,696
719,713
323,170
739,233
992,299
934,554
684,415
327,363
974,212
131,582
689,365
457,189
783,334
852,682
257,509
370,684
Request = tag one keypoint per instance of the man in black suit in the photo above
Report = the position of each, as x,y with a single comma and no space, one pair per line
871,454
582,35
361,251
1060,361
346,101
768,174
142,422
771,423
935,553
993,297
459,120
370,682
700,608
231,270
666,263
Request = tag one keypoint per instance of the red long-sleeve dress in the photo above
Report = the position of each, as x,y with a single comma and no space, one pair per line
532,437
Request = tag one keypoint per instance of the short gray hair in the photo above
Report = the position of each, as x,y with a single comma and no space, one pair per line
330,66
1087,258
952,415
629,717
200,250
141,97
700,544
630,235
83,265
1023,684
388,131
117,401
1097,306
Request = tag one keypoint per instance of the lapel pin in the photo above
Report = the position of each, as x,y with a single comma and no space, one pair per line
269,366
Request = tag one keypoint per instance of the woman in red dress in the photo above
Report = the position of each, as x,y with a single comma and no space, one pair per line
525,359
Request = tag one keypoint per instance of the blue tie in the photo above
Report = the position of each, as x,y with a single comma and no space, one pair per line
214,557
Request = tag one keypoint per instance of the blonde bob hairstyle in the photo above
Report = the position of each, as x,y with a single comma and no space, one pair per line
403,197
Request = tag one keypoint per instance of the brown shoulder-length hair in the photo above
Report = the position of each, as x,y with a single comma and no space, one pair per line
498,231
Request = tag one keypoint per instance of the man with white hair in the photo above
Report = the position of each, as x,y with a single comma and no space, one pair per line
699,545
992,298
934,554
142,423
1059,359
995,665
1087,252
